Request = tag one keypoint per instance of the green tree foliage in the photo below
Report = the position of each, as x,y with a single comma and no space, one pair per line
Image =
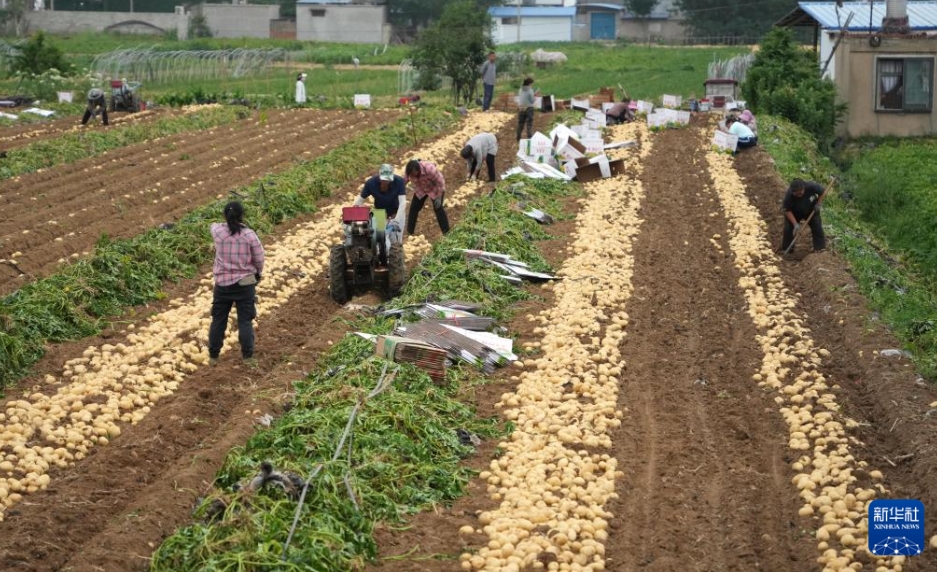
37,56
455,46
785,80
641,8
714,18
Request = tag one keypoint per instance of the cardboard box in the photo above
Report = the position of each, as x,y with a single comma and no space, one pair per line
645,106
617,167
725,140
547,103
387,345
580,104
568,147
595,118
593,169
608,92
362,100
672,101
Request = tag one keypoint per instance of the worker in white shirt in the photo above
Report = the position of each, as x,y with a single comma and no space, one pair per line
301,89
482,147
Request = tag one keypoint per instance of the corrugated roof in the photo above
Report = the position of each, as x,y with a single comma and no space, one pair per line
922,16
533,11
599,5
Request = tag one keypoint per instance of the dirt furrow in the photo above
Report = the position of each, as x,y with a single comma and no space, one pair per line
699,449
21,135
154,195
173,454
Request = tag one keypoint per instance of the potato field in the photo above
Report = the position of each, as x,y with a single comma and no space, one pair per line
683,398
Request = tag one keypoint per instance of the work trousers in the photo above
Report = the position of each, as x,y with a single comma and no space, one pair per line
88,113
415,208
488,96
816,230
746,142
244,298
490,162
525,117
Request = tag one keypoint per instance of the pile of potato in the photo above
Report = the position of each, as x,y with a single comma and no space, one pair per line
118,383
552,485
835,487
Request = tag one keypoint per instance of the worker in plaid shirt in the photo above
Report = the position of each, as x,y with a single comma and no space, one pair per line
428,182
239,264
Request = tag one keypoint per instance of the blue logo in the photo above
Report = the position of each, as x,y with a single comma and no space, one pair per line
896,527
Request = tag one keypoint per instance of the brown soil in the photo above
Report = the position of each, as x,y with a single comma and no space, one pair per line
704,451
29,133
707,483
112,509
123,192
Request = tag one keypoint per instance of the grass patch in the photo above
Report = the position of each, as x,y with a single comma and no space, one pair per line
404,456
897,281
70,305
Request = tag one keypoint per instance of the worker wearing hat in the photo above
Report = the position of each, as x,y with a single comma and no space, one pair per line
390,193
300,89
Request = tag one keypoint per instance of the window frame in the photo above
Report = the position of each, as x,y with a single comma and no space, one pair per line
509,21
904,59
317,12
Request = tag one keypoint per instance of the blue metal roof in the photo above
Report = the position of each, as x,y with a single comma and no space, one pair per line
922,16
533,11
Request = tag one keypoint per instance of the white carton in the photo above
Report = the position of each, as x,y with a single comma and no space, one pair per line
725,140
673,101
362,100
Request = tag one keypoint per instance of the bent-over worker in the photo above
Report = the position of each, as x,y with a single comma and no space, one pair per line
482,147
428,183
620,113
390,193
747,137
803,198
96,103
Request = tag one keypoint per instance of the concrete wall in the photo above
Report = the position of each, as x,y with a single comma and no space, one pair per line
553,29
669,31
856,84
359,24
240,21
283,29
65,22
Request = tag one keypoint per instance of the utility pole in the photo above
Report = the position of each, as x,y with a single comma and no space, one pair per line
518,21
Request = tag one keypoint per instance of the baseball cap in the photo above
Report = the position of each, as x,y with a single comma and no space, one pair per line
386,172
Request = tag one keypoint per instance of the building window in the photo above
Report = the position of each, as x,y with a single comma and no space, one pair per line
509,21
905,84
317,12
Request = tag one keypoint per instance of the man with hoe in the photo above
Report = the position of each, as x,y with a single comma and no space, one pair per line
802,203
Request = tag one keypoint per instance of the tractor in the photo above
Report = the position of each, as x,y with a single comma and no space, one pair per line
124,96
364,260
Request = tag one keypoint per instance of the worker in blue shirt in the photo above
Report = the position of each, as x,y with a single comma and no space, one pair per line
390,193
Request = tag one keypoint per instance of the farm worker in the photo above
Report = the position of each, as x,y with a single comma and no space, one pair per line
390,193
96,103
300,89
802,199
747,137
748,118
525,106
428,183
488,71
239,263
620,112
482,147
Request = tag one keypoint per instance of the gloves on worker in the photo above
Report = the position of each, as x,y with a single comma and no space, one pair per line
796,227
437,202
817,207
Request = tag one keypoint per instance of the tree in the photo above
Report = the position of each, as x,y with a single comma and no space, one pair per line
455,46
730,18
785,80
641,8
13,16
37,56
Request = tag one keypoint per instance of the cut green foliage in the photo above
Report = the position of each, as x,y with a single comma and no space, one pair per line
130,272
404,454
892,268
79,145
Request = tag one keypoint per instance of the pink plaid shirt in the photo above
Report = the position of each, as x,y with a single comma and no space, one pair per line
236,255
430,183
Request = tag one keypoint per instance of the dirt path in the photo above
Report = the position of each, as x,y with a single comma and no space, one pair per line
111,510
60,213
706,478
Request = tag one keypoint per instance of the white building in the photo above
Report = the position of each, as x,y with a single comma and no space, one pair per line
532,23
